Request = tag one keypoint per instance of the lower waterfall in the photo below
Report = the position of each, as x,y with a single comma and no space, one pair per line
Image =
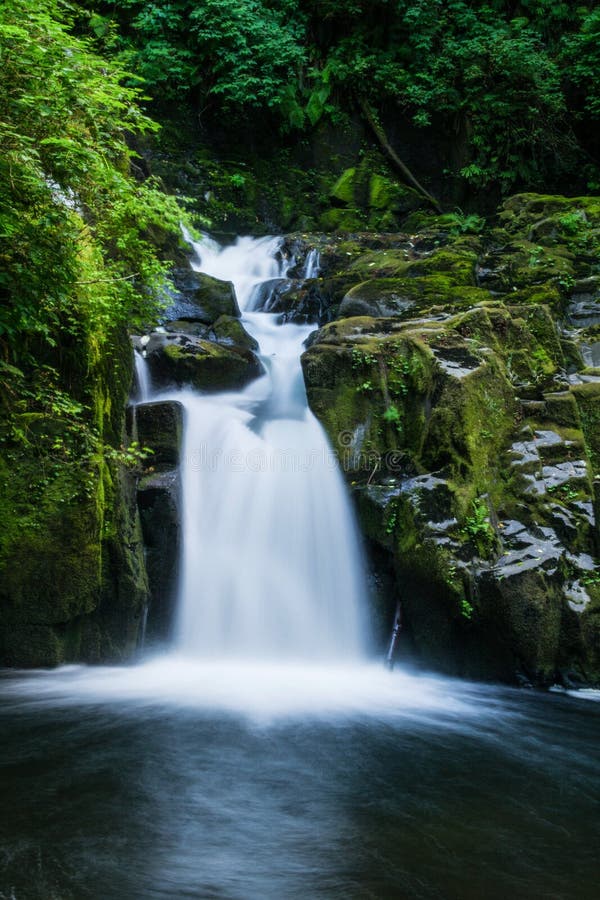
271,564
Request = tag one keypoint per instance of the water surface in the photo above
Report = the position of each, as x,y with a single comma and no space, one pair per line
177,779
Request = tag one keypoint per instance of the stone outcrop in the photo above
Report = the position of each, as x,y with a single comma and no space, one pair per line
201,343
456,380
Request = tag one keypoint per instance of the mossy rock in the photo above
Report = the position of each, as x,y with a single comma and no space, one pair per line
458,265
399,295
225,330
187,360
213,298
72,567
159,428
587,397
375,199
561,408
381,263
344,188
230,332
545,294
557,217
338,219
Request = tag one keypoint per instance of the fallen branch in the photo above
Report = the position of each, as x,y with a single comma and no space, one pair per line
389,150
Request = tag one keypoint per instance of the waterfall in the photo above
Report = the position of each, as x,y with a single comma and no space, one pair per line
271,564
312,264
143,381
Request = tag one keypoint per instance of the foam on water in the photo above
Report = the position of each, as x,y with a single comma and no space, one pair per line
259,691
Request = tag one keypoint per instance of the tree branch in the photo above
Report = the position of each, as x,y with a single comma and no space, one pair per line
389,150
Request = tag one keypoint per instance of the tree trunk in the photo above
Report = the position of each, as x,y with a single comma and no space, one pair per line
391,153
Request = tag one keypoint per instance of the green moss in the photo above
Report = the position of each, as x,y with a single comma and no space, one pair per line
380,264
344,188
209,366
457,267
229,330
562,409
67,530
341,220
546,294
587,397
426,292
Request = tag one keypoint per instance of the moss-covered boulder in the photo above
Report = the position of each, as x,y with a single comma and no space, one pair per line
225,330
363,199
201,298
213,298
188,360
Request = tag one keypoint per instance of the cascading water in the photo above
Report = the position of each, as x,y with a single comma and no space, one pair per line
271,564
312,264
142,379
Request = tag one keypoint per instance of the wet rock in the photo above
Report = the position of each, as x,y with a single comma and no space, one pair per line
190,360
378,301
481,388
583,310
201,298
227,330
529,551
408,296
159,428
213,298
577,596
159,508
295,301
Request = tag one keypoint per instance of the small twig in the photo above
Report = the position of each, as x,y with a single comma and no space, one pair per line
109,280
371,476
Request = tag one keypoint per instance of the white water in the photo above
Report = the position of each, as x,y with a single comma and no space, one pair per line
312,264
271,564
142,378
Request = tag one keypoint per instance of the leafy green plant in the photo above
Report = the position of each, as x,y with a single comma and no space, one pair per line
460,223
132,456
393,416
466,608
477,526
391,519
590,579
572,223
237,180
362,358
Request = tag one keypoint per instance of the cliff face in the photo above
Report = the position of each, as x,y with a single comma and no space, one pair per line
457,380
72,576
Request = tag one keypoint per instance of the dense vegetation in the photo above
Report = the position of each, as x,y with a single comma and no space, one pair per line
78,262
76,228
511,84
